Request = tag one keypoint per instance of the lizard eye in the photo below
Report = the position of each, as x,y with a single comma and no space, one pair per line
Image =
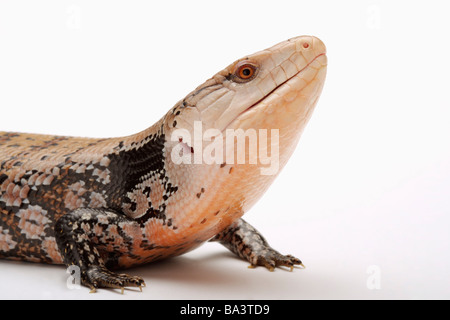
244,71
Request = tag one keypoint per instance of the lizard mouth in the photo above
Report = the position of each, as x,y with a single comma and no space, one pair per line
281,85
188,147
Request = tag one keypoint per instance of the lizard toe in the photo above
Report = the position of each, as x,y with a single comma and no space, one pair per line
272,259
100,277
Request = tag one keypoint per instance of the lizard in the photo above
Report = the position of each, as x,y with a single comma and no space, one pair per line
105,204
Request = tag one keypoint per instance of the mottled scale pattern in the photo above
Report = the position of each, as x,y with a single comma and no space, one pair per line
40,182
42,178
62,192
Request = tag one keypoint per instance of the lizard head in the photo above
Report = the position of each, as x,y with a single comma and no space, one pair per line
274,89
238,129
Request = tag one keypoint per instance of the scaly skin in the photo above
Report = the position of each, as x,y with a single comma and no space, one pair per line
103,204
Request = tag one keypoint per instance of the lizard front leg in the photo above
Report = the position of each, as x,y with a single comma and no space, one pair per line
245,241
88,238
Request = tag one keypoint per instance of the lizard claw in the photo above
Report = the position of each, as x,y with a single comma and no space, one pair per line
272,259
98,276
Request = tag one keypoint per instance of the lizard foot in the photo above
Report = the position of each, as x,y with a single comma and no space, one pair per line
245,241
271,259
100,277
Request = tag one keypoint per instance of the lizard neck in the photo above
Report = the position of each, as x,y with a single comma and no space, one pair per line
141,186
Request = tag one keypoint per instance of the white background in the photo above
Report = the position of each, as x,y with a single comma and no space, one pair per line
367,189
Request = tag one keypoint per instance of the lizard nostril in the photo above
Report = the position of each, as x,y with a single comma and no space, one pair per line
306,45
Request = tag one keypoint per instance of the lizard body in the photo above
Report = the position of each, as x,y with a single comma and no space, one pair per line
104,204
